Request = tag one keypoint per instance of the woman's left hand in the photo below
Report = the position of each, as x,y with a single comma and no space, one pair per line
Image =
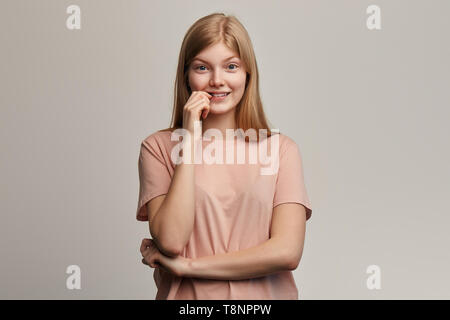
154,258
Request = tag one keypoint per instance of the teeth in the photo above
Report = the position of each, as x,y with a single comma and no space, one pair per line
219,95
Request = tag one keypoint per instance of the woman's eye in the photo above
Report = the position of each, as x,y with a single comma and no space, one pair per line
235,67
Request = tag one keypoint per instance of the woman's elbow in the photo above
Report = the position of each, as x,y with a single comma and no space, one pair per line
164,244
292,260
168,248
171,252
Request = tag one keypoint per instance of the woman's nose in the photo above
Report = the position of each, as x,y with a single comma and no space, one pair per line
216,79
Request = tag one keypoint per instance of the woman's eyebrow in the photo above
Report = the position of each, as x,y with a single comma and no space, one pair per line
229,58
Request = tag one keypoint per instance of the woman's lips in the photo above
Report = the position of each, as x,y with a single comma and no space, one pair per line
218,99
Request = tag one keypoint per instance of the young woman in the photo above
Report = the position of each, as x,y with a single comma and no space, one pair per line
220,230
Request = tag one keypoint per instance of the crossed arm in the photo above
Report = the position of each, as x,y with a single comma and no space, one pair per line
281,252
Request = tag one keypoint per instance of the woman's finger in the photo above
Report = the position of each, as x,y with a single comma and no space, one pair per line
152,265
200,106
151,257
144,244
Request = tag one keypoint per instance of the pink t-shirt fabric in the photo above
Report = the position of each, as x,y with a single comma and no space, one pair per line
233,211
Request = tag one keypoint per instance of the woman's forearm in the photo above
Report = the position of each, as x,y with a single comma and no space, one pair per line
173,223
266,258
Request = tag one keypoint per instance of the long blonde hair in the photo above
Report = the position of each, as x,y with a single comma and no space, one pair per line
205,32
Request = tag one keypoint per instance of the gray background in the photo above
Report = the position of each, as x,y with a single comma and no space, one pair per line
368,109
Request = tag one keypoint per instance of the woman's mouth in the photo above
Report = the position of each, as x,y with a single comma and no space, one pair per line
217,97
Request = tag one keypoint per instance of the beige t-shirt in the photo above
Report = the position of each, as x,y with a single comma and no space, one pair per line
233,211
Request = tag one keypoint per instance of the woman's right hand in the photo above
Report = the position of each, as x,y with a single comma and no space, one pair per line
196,106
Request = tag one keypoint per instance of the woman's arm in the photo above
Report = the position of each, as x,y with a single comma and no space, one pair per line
171,224
281,252
266,258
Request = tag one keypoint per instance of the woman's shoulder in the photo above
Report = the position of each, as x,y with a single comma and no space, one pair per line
283,139
160,137
287,144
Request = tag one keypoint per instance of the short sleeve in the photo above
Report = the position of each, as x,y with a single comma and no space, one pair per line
154,176
290,184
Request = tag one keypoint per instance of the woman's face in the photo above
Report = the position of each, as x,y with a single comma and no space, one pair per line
218,69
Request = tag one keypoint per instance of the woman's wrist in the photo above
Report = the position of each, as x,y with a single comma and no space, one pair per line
188,268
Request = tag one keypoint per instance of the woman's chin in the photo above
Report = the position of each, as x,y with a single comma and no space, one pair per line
218,109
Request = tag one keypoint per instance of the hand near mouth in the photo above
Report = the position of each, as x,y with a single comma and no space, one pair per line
197,106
